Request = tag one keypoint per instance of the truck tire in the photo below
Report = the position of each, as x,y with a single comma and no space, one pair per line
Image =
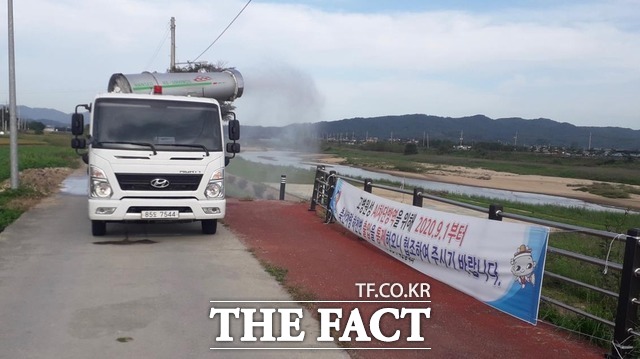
209,226
98,228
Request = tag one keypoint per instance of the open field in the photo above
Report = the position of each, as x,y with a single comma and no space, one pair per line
612,183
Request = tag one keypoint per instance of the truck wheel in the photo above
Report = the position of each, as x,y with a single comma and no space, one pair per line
209,226
98,228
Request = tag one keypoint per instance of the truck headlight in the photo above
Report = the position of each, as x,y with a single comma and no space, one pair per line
213,190
215,187
100,186
101,189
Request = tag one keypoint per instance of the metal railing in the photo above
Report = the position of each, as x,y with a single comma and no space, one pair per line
626,318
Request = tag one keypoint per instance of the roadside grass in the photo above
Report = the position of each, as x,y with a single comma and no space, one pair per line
279,273
598,304
297,293
243,189
10,212
247,179
34,151
263,173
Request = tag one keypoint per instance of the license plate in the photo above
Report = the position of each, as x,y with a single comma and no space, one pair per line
160,215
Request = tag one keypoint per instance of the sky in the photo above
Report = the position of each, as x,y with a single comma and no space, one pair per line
326,60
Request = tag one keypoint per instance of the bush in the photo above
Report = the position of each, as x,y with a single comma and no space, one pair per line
410,149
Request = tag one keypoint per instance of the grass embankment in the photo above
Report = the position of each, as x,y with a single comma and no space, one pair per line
259,174
34,151
603,306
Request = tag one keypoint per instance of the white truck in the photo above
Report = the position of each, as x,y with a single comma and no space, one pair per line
156,150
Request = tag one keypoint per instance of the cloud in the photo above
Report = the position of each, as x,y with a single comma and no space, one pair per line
501,60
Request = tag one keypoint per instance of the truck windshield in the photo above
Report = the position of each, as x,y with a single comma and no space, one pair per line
165,124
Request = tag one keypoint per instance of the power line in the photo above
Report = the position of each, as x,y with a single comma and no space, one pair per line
153,58
223,31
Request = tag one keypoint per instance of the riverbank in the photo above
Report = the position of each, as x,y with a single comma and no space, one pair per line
477,177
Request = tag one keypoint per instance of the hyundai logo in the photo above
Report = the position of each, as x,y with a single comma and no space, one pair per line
160,183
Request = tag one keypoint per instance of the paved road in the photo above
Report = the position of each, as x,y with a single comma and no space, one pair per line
66,294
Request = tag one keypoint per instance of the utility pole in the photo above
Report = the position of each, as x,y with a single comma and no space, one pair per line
13,138
173,43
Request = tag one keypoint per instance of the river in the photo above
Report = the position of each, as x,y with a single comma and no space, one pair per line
286,158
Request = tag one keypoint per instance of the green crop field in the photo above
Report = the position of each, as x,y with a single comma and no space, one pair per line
34,151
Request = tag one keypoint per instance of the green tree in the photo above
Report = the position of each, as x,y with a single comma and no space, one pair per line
411,149
36,126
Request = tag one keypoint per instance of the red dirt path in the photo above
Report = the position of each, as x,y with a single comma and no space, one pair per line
326,261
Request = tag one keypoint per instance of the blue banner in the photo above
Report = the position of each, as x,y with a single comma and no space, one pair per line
499,263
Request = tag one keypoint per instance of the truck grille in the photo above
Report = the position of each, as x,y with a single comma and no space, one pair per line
142,182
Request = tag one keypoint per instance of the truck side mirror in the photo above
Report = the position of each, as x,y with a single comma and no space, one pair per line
78,143
233,147
234,130
77,124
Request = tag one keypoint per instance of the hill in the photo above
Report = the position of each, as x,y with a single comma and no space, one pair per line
478,128
48,116
472,129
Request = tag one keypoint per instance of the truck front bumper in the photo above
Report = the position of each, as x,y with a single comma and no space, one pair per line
130,209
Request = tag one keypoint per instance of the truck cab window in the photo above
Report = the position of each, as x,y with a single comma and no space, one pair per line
134,120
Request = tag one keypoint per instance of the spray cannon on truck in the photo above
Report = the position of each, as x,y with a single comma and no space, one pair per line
156,150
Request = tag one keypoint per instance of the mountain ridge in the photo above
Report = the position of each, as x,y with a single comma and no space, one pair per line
474,128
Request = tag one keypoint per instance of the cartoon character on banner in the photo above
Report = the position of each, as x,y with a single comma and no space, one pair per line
522,266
